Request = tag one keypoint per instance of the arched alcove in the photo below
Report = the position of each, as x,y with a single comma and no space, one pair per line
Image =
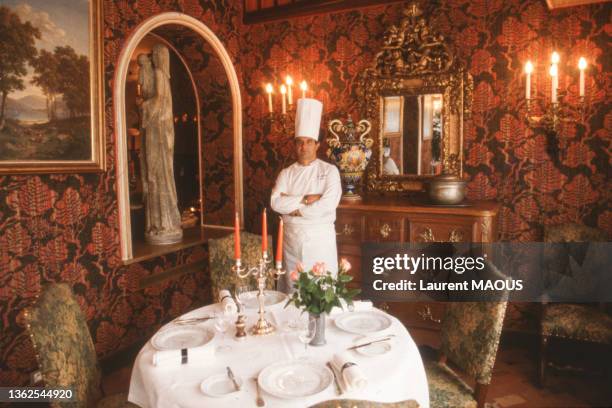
135,38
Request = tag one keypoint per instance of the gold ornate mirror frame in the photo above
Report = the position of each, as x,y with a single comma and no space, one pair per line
415,60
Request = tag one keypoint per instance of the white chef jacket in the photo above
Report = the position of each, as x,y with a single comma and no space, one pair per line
310,238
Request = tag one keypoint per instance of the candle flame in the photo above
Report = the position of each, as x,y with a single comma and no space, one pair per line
582,64
554,71
289,80
269,88
528,67
555,58
283,89
303,86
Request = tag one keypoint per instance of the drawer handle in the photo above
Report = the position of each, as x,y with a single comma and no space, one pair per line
428,236
385,230
426,315
347,230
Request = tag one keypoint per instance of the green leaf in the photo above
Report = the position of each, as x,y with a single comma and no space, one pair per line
329,295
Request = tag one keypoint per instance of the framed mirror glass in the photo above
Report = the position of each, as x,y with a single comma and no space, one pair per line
417,96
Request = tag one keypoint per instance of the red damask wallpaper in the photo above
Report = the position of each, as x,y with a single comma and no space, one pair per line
64,227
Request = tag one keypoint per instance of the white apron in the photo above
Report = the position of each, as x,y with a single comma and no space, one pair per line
308,244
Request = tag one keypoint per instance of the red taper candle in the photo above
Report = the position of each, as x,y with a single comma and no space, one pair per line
279,243
237,237
264,232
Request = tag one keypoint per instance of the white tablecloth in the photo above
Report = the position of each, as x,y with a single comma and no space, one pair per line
396,376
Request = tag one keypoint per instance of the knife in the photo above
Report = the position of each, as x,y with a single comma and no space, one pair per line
367,344
230,374
190,320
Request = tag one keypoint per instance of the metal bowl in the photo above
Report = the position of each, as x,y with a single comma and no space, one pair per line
447,190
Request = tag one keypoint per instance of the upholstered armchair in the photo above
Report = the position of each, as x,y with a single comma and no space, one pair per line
348,403
585,322
470,333
65,350
221,259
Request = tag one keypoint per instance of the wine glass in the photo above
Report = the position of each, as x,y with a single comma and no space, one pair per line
222,323
241,296
306,331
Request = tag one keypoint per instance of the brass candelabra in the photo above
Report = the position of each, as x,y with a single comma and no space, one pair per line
282,123
551,116
261,272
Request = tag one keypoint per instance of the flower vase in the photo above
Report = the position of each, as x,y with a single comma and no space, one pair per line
319,337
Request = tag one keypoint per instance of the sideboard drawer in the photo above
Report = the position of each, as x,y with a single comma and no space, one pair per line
441,231
348,228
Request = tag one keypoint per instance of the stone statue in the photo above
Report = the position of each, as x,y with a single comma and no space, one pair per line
162,217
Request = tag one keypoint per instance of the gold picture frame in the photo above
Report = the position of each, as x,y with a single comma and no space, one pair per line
52,124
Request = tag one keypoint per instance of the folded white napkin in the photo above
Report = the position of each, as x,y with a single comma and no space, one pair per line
358,306
350,372
167,358
227,302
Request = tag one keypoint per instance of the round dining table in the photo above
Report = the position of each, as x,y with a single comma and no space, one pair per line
397,375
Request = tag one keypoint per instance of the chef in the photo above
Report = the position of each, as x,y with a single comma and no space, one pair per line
306,194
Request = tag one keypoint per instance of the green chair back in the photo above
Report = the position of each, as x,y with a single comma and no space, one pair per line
221,259
63,344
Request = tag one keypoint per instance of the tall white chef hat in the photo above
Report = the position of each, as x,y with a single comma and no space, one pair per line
308,118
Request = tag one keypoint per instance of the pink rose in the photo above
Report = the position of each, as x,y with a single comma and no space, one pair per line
345,265
319,269
300,267
293,275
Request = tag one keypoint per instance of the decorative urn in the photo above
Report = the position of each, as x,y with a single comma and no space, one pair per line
350,150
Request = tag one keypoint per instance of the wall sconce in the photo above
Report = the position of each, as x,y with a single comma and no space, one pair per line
551,115
283,121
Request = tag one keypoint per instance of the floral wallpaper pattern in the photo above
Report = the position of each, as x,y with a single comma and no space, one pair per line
64,227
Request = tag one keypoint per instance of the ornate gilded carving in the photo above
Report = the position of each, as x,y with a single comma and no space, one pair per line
415,60
413,47
385,230
348,230
428,236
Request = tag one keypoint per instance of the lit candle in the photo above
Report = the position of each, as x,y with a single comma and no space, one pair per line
237,238
582,64
269,91
279,246
283,90
528,71
303,87
264,232
554,74
289,81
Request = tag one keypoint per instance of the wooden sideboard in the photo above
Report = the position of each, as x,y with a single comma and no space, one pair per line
391,219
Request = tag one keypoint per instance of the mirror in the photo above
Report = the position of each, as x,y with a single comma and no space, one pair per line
417,96
412,134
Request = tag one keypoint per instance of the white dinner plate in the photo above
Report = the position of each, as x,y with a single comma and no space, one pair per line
180,337
271,298
363,322
295,379
219,385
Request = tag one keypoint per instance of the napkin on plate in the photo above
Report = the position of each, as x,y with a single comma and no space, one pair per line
358,306
227,302
167,358
350,372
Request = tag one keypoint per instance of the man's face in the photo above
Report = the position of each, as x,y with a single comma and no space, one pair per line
306,149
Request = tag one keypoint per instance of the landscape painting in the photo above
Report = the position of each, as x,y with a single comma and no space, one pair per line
50,91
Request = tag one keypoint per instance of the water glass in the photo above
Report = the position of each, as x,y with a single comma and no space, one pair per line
222,323
306,331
